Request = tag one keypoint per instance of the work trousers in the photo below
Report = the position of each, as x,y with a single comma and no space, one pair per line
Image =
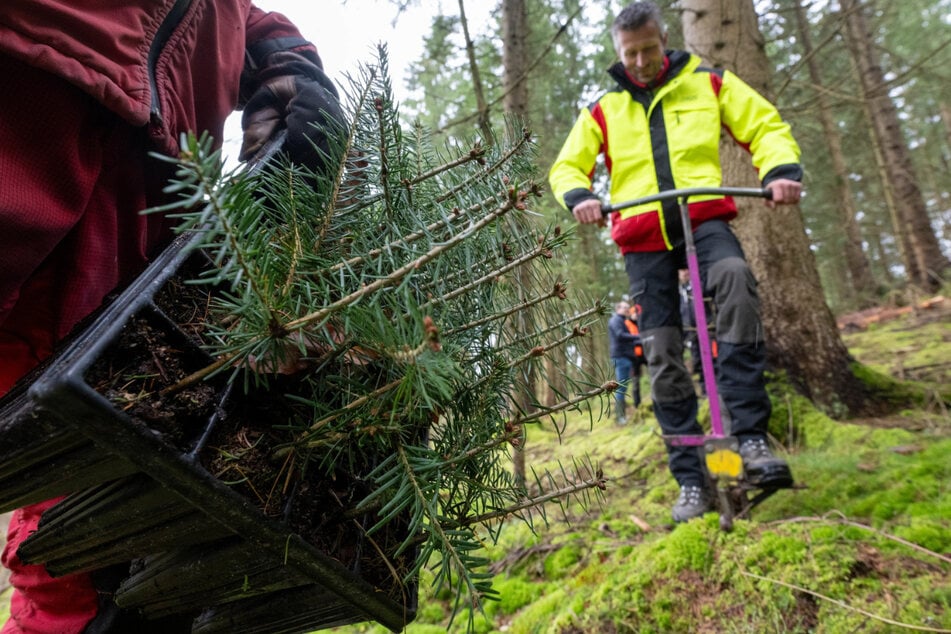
627,373
727,279
73,179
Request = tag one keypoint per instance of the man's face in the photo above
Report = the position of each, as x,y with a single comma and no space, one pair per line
641,51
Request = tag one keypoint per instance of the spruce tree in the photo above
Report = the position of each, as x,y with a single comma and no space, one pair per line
385,284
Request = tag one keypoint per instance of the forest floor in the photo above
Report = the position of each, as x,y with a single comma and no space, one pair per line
863,544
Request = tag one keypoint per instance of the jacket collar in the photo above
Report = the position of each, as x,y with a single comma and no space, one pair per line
674,63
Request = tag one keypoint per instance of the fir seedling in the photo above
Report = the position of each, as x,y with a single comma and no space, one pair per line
407,290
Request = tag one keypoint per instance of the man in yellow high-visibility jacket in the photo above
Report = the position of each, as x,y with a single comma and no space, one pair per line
659,129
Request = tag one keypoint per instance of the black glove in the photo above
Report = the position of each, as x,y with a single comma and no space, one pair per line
293,93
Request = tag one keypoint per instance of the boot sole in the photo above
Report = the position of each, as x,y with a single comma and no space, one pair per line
771,477
681,520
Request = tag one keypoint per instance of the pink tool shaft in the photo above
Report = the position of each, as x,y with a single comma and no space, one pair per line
700,314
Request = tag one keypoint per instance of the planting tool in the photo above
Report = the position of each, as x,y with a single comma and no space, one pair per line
721,450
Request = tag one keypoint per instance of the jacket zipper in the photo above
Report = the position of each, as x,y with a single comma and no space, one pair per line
165,30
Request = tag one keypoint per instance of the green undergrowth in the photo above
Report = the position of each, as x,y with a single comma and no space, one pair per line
863,544
908,357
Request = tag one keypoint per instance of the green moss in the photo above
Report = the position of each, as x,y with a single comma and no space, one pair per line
561,562
431,612
688,548
5,604
537,617
422,628
873,512
472,622
931,533
886,387
940,595
776,548
515,593
791,413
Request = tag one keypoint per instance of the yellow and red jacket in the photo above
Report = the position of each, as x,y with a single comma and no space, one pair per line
666,137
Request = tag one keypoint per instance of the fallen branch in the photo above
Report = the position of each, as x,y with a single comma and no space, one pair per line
842,604
515,556
842,520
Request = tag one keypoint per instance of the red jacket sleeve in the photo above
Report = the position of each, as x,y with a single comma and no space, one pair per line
266,33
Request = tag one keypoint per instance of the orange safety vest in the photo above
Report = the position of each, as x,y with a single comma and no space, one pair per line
713,348
632,328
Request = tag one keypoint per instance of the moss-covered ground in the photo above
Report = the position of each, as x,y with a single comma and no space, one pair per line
862,545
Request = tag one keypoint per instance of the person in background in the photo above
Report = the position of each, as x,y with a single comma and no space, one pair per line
638,364
90,92
659,129
621,344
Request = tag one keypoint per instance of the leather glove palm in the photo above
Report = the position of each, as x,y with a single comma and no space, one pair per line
294,94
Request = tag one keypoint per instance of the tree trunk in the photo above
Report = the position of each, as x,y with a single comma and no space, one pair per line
946,119
477,87
924,260
594,347
556,388
880,255
800,330
515,62
857,264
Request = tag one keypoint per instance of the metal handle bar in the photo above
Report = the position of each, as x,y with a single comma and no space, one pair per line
751,192
267,152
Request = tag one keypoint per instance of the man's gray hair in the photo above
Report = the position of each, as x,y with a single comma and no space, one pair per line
636,15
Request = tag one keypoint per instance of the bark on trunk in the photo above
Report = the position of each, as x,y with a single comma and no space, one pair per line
556,369
925,262
481,103
800,330
514,58
595,360
946,119
862,284
881,256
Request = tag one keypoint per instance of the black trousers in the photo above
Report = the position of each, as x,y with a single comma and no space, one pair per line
727,279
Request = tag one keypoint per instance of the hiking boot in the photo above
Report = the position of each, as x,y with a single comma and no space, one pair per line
763,469
693,502
620,414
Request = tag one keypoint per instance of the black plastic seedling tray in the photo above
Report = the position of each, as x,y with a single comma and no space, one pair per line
141,493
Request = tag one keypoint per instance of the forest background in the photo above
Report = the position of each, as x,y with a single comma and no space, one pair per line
863,86
860,83
867,547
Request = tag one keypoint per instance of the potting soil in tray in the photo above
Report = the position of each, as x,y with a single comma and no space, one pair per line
105,395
